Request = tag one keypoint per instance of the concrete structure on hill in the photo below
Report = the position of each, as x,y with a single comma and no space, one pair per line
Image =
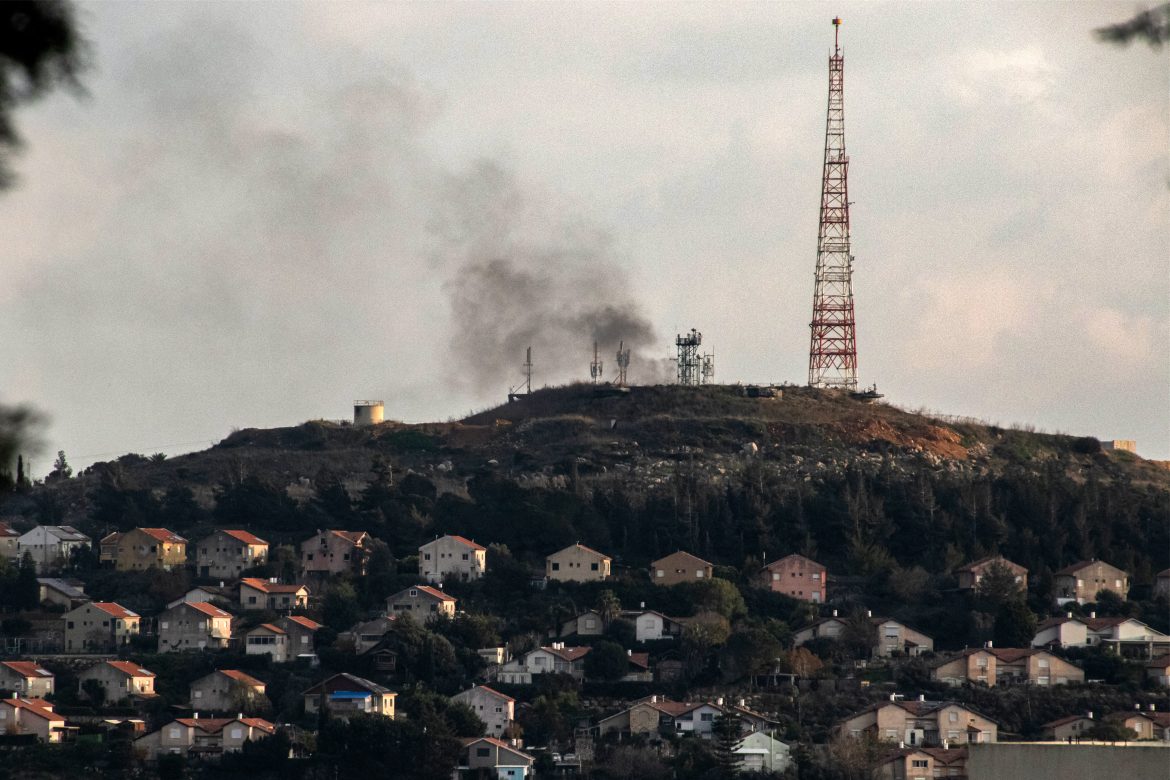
1082,582
680,567
51,546
762,752
99,627
493,758
1128,636
144,548
61,593
335,552
453,557
227,553
268,639
495,709
923,762
554,659
891,636
796,576
203,737
9,544
577,563
198,626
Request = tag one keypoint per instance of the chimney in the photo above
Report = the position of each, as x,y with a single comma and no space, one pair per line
834,613
869,613
272,580
629,653
239,716
987,645
654,698
1068,615
1092,615
641,605
719,702
901,745
946,744
921,697
892,695
1153,708
1137,708
743,703
196,716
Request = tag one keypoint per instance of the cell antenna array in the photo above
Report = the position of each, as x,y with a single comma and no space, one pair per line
596,367
623,363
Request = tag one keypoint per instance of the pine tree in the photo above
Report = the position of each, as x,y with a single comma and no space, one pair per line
725,729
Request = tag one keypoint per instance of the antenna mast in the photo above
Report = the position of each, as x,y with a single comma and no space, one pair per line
595,368
623,363
689,362
527,384
832,359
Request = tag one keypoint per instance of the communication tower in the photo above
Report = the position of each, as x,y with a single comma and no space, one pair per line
513,393
623,363
707,369
595,368
689,362
832,359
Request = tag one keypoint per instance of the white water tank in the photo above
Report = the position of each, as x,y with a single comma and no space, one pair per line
367,413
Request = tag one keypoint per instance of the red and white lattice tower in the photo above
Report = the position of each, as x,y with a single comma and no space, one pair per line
832,357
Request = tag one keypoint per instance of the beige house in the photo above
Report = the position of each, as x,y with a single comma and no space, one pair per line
194,626
921,724
99,627
345,694
144,548
335,552
422,602
892,636
680,567
26,678
1007,666
490,757
206,737
555,658
269,639
496,710
1070,727
121,680
1083,581
256,593
227,690
451,556
1158,670
923,763
9,543
302,634
61,593
796,576
972,574
31,716
51,546
1120,633
227,553
577,563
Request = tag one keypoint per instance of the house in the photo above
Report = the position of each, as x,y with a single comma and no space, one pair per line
1126,635
496,710
680,567
638,668
302,634
62,593
121,680
219,596
1162,584
651,626
659,715
364,636
194,626
1070,728
256,593
892,636
577,563
451,556
761,752
920,763
492,758
921,723
1143,724
227,553
972,574
227,690
51,546
9,543
588,623
1064,631
31,716
1007,666
1083,581
1158,670
421,602
555,658
270,639
796,576
144,548
345,694
26,678
204,737
335,552
99,627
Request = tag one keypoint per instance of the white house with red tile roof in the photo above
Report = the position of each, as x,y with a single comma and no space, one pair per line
422,602
203,736
555,658
269,639
227,553
194,626
577,563
257,593
451,556
99,627
26,678
121,680
495,709
228,690
31,716
491,757
334,552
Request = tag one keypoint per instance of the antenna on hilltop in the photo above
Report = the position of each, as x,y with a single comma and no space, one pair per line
595,368
623,363
527,383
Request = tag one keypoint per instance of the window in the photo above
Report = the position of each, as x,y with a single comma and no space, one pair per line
919,763
198,694
413,593
590,623
427,557
556,566
953,717
483,752
1117,582
775,576
164,625
465,556
660,573
174,733
698,574
594,566
237,733
707,717
816,575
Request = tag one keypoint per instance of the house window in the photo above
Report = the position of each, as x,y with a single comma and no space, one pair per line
707,717
174,733
483,752
593,566
919,764
660,573
590,623
775,576
465,556
953,717
413,593
816,575
556,566
698,574
237,733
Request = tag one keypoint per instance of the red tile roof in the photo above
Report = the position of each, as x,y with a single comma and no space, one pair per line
567,653
682,556
163,535
27,669
434,592
1074,568
300,620
6,530
264,586
499,743
579,546
641,660
129,669
353,537
238,676
1015,567
813,564
112,609
245,537
205,608
496,693
33,707
270,627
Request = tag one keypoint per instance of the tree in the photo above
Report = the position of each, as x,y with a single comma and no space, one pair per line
998,585
607,661
725,730
1015,625
95,691
61,468
803,663
27,590
608,606
859,635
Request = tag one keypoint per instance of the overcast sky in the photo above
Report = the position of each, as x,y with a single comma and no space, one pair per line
262,212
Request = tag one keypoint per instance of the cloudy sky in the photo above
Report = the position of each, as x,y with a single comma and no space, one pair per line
261,212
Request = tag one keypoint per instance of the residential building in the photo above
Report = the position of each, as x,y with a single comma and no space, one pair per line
496,710
345,694
922,763
194,626
99,627
761,752
796,576
228,690
219,596
588,623
144,548
1070,728
1083,581
364,636
492,758
651,626
921,723
1128,636
555,658
256,593
1162,584
680,567
577,563
121,680
61,593
302,634
1144,725
992,666
270,639
972,574
422,602
638,668
31,716
335,552
451,556
51,546
227,553
26,678
204,737
659,716
9,543
1158,670
892,636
